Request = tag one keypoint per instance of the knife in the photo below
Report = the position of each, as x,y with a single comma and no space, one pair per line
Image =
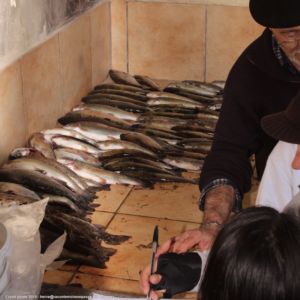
154,249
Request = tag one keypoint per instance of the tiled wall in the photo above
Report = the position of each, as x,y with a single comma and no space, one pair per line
180,39
45,83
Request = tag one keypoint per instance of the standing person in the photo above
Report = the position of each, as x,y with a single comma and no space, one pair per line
262,81
281,179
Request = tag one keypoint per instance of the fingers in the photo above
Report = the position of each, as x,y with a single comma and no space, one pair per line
144,279
164,248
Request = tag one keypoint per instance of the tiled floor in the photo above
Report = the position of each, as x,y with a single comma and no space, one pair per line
135,212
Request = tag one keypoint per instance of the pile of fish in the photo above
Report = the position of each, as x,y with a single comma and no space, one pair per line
128,131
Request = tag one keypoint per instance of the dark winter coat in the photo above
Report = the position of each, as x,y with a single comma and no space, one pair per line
257,85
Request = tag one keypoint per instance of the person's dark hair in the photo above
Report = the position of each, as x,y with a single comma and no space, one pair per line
256,256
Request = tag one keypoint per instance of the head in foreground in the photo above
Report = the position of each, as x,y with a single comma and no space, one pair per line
256,256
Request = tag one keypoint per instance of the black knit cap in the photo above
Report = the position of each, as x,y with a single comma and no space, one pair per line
276,13
285,125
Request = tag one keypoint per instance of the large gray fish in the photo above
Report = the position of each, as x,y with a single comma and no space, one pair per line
73,154
124,105
97,132
118,113
40,183
166,95
219,83
190,88
131,95
134,165
53,132
18,189
144,160
51,169
78,227
143,140
185,163
123,153
69,142
119,144
147,82
152,177
169,134
91,116
204,85
121,87
38,142
175,103
99,175
25,152
123,78
7,199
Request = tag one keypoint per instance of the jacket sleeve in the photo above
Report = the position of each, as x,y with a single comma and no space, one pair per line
238,130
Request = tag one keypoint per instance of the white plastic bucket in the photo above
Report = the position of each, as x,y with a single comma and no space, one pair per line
5,250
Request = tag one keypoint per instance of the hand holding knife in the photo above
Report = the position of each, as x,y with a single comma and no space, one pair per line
154,249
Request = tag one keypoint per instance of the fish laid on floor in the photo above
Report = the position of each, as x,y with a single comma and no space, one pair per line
37,141
123,78
147,82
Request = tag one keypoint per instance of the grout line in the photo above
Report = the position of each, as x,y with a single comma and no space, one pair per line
152,217
205,44
91,52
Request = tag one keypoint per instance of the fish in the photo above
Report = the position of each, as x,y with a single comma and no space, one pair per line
124,105
134,165
95,131
40,183
24,152
123,153
139,96
73,154
8,200
219,83
38,142
73,143
64,201
185,163
121,87
79,227
143,140
99,175
166,95
51,169
190,88
18,189
119,144
147,161
147,82
117,112
91,116
53,132
175,103
204,85
152,177
123,78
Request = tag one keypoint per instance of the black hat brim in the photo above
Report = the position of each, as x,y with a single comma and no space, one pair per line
276,13
279,127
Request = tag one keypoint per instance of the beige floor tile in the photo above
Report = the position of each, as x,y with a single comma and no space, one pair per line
42,86
101,42
101,218
173,201
13,121
111,200
229,31
135,253
69,268
168,42
57,277
103,283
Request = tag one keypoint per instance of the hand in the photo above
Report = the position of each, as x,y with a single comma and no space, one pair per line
201,238
146,279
